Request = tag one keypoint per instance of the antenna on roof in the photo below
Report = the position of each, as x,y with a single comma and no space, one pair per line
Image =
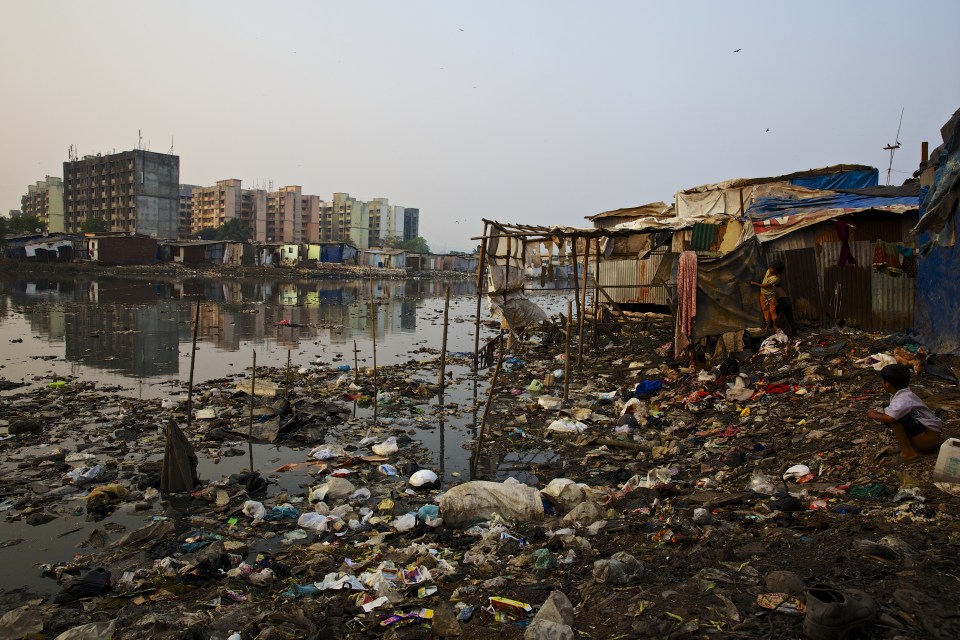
171,146
892,148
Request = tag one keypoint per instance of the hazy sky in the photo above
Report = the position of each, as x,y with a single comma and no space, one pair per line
534,112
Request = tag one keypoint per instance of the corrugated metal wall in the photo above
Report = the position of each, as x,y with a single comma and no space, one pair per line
854,293
628,281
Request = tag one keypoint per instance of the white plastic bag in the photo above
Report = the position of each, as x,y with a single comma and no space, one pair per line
386,448
255,510
479,500
422,477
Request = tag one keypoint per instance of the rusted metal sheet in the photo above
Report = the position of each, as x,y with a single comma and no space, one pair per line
802,281
868,300
628,281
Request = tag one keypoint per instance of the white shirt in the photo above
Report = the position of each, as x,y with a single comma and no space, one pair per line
906,402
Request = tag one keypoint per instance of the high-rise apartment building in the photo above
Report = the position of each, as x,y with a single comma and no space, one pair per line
382,217
411,223
284,211
186,210
212,207
345,219
44,200
133,191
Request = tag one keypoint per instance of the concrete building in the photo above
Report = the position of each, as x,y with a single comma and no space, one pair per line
345,218
133,191
411,223
45,201
186,210
284,211
310,213
382,219
212,207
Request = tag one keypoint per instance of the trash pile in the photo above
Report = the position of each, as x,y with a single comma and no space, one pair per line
746,496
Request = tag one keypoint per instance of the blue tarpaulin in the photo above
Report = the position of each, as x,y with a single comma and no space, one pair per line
859,179
770,206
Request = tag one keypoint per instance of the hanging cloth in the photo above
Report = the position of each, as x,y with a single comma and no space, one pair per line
686,301
846,255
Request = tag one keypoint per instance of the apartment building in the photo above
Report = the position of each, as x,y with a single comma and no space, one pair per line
345,219
186,210
382,221
411,223
212,207
284,211
44,200
133,191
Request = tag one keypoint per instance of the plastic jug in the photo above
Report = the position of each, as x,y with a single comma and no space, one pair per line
946,473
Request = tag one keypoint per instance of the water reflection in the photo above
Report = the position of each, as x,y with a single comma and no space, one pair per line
134,328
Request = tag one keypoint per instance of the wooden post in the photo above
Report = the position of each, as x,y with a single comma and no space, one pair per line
193,360
576,281
373,338
492,390
356,365
506,283
596,295
566,351
583,304
443,343
480,269
253,396
286,390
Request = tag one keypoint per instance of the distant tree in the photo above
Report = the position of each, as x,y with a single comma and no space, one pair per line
392,241
232,230
3,228
25,224
207,234
415,245
94,225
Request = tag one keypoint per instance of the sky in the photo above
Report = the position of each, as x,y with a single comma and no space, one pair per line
534,112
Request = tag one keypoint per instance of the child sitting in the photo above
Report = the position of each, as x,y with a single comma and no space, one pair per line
915,427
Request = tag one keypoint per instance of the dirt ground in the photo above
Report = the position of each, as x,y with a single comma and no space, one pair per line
694,492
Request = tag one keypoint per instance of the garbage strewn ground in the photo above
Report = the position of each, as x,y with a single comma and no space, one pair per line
661,500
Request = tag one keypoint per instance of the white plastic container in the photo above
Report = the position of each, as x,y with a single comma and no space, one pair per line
946,473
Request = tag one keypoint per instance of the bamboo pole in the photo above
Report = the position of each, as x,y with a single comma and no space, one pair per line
493,386
253,396
443,343
480,270
373,338
286,390
356,366
193,360
566,351
596,298
583,304
576,280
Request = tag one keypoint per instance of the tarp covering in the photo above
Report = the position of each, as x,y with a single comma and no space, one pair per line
855,179
507,259
780,209
937,315
179,470
726,302
941,201
733,197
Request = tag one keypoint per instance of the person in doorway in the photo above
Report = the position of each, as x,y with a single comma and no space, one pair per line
915,427
768,294
786,321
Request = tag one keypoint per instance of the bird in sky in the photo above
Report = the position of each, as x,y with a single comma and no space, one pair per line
737,50
767,130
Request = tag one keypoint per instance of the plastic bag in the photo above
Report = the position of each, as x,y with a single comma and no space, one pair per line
480,500
422,478
334,489
404,523
255,510
567,425
535,386
621,568
762,483
386,448
314,521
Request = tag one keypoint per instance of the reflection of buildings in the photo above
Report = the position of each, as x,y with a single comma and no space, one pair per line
135,340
